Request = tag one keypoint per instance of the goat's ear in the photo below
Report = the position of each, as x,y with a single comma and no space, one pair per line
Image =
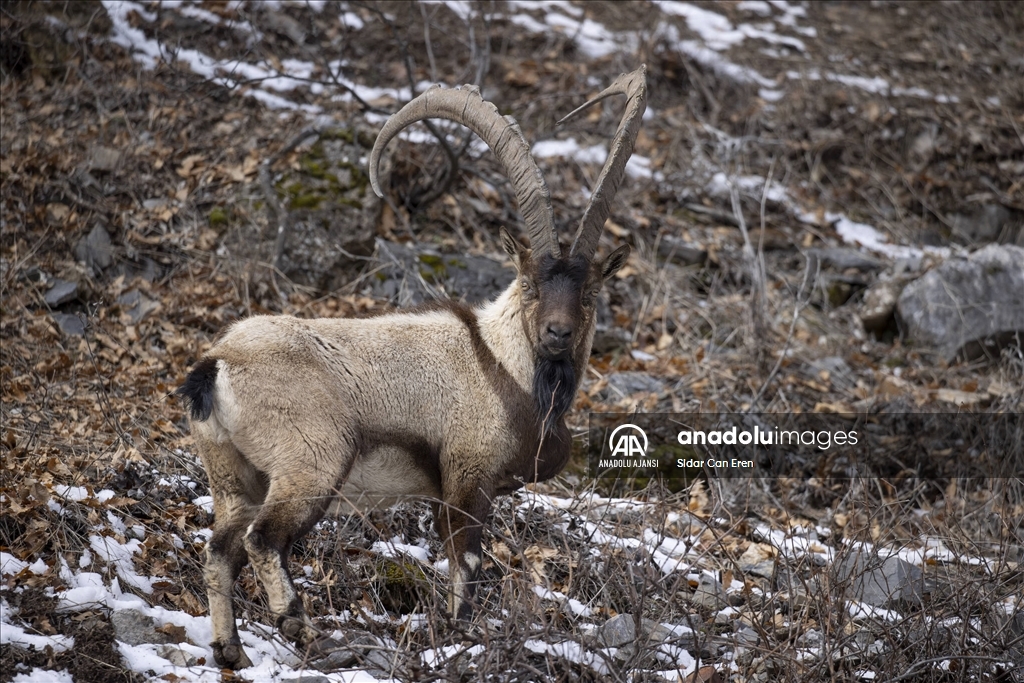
615,260
512,248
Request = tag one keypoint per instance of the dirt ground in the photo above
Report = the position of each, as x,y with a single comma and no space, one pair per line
926,144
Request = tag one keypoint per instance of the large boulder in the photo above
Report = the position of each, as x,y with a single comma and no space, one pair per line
880,583
409,274
968,307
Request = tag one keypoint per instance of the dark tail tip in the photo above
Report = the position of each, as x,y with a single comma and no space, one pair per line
198,389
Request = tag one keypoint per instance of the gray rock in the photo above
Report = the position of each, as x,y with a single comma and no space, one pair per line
355,650
968,307
146,268
788,578
880,304
136,305
810,638
104,159
60,293
724,618
71,324
378,663
759,560
176,656
846,257
625,384
1017,624
746,637
285,25
934,637
709,593
880,583
608,337
675,250
333,214
620,630
95,249
412,274
983,225
877,648
33,274
798,599
867,644
744,657
135,628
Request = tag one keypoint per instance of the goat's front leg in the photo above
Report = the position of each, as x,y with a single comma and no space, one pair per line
459,519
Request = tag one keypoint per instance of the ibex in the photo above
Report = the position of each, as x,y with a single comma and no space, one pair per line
454,403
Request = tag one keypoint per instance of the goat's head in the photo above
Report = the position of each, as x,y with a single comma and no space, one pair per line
557,288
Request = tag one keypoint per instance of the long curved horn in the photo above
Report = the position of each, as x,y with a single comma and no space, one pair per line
501,133
634,86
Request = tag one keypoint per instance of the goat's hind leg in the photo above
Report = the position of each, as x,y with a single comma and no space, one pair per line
292,507
237,492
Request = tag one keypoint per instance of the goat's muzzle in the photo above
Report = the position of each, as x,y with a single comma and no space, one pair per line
555,340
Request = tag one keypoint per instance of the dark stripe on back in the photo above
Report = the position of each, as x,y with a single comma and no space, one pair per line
497,375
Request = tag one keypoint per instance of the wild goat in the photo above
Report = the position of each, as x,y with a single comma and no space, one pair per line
447,402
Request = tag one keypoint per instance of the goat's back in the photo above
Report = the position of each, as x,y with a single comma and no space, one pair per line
404,386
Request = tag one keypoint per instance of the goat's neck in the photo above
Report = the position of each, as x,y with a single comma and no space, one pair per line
502,329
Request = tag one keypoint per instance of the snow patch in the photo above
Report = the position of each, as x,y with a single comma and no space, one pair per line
37,675
396,549
575,606
12,634
637,166
119,556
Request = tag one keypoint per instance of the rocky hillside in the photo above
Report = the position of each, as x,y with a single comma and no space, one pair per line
826,210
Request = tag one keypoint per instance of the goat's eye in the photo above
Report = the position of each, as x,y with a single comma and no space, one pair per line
527,288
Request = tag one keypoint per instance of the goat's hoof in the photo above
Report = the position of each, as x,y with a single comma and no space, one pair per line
231,656
291,628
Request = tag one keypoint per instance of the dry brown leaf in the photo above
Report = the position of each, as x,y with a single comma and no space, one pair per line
960,398
537,556
524,75
698,499
615,229
501,552
176,633
57,212
706,674
235,173
823,407
190,165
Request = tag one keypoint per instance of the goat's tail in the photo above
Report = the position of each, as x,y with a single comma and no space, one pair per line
198,389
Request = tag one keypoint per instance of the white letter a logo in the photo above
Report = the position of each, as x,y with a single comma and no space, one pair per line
628,445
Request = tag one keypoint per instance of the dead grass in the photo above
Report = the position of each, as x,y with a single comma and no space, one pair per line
95,410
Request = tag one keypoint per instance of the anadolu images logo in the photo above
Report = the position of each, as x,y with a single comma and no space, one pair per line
627,444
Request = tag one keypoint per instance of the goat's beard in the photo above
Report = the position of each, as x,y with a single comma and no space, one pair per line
554,388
